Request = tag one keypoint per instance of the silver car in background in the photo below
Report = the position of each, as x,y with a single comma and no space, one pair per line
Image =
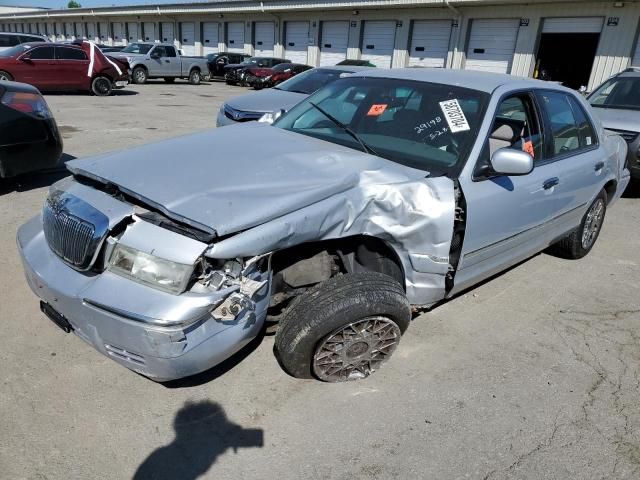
617,103
11,39
268,105
383,191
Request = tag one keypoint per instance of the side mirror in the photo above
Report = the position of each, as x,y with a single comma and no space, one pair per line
25,58
508,161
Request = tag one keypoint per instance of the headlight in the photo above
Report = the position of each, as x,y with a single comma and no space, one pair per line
270,117
149,270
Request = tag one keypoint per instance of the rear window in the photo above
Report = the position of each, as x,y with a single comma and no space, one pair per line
42,53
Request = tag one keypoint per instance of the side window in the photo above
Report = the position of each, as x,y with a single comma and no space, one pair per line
8,41
586,130
169,52
159,52
42,53
516,126
564,127
66,53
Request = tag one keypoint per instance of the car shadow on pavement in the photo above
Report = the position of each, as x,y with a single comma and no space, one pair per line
31,181
218,370
202,434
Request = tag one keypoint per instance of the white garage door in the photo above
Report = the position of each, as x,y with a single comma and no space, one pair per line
80,33
91,31
149,31
167,32
264,37
235,37
59,33
103,32
210,37
33,28
334,42
430,43
188,38
296,41
492,44
68,31
573,25
132,32
378,39
119,37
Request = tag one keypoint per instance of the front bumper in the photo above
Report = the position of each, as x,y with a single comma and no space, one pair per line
106,310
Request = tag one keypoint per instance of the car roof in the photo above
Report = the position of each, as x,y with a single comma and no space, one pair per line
18,87
474,80
630,72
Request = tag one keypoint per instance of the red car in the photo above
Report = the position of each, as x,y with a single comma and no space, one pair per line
63,66
261,77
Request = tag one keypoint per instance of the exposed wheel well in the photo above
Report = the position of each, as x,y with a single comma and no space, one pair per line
610,187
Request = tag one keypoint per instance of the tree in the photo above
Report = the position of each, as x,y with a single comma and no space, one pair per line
73,4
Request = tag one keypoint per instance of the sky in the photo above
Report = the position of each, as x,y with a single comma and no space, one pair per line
84,3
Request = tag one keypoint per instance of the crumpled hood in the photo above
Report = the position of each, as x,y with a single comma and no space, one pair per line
230,179
619,119
266,101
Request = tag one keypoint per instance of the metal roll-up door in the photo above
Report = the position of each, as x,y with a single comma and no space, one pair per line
79,29
168,35
119,37
59,31
92,34
492,44
378,40
296,41
573,25
264,38
132,32
210,37
103,32
334,42
149,31
69,34
33,28
430,43
235,37
188,38
635,61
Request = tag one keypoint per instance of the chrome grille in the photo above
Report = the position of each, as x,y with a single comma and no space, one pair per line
68,236
239,115
628,136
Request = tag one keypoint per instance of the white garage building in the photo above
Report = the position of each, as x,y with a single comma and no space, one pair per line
580,42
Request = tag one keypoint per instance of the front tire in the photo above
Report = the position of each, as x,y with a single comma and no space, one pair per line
344,328
139,75
580,242
5,76
195,77
101,86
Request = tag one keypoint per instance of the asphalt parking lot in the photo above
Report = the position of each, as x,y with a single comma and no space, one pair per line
532,375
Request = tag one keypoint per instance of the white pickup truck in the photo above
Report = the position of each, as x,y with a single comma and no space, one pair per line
162,60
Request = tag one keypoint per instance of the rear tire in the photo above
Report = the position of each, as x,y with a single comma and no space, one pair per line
139,75
580,242
343,328
5,76
195,77
101,86
169,79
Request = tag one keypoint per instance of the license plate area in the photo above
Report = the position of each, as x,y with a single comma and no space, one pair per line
56,317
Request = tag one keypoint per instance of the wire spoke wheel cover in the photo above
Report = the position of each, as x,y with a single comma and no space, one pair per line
593,223
356,350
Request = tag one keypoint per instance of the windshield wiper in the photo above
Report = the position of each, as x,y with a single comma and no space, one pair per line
366,148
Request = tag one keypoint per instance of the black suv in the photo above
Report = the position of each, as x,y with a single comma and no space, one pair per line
235,73
217,62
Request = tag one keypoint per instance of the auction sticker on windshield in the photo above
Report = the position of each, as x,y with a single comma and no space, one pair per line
455,116
377,109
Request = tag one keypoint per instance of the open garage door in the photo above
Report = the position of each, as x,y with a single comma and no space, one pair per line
132,32
188,38
378,40
334,41
430,43
235,37
149,31
119,37
579,36
210,37
492,44
296,41
263,40
167,34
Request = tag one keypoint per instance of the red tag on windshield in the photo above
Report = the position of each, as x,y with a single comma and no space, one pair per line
377,109
528,147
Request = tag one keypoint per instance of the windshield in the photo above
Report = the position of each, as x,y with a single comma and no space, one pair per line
137,48
422,125
14,51
311,80
619,92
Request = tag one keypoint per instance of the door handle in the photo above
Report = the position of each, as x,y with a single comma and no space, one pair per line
550,183
599,166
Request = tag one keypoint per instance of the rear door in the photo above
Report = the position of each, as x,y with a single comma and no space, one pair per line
168,64
71,68
378,40
39,70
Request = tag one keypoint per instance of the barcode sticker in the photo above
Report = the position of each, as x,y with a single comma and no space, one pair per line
455,116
